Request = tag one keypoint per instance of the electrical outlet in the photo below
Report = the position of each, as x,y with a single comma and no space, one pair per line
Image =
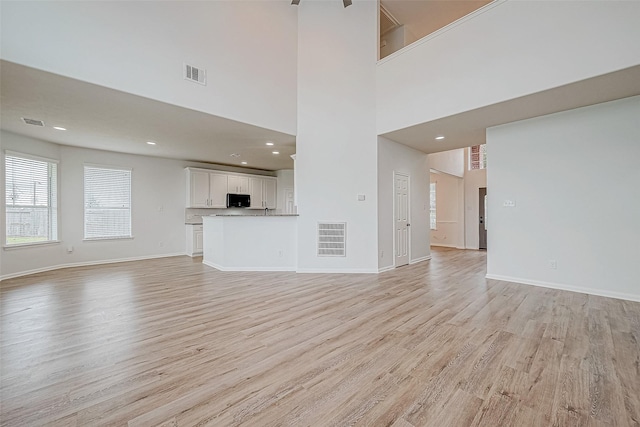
381,254
553,264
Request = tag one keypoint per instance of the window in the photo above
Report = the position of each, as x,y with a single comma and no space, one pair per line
107,203
478,157
31,198
432,205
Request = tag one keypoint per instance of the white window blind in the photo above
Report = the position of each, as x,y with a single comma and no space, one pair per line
31,200
107,203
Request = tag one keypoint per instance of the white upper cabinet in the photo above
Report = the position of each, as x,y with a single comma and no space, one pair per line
206,189
238,184
217,190
263,192
255,190
209,188
269,193
197,189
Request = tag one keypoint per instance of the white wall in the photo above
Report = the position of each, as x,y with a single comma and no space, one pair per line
394,157
449,230
575,179
512,49
247,47
474,180
158,197
336,150
450,162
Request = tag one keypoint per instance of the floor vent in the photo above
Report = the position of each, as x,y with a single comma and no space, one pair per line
33,122
194,74
332,239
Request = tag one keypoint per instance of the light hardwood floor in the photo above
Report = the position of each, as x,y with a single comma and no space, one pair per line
171,342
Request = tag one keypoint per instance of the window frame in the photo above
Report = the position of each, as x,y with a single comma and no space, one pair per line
482,161
84,203
53,203
433,190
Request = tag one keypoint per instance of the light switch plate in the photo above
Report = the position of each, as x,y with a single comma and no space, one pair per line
361,197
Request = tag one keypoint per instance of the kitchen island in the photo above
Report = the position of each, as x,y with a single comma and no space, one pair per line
250,242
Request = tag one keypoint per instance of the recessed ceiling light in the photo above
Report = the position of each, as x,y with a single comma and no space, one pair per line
151,143
59,128
275,152
269,143
244,163
439,137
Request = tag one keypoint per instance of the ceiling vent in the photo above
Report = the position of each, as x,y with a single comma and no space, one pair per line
33,122
332,239
195,74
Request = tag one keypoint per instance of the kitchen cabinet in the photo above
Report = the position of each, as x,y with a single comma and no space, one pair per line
206,189
263,192
238,184
194,240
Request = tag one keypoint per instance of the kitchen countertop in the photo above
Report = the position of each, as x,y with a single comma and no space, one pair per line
253,215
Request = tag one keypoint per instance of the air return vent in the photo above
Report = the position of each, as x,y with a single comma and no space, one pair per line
332,239
33,122
195,74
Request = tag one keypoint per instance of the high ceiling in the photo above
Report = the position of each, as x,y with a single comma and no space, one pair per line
469,128
106,119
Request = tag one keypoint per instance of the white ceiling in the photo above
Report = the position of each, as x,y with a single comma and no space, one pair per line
469,128
106,119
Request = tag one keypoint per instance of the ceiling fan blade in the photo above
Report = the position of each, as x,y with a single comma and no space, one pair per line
346,3
295,2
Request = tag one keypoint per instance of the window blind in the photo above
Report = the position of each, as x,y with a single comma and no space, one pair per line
31,200
107,203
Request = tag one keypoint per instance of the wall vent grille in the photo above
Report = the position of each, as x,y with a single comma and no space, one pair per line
33,122
332,239
195,74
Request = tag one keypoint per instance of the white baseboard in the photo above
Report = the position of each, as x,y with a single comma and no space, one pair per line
387,268
564,287
443,245
417,260
221,268
337,271
86,264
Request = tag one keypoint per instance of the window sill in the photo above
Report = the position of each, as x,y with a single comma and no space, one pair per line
102,239
30,245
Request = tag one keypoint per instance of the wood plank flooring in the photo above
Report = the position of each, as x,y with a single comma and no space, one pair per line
171,342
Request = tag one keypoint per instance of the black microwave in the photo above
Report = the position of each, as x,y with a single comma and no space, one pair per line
238,200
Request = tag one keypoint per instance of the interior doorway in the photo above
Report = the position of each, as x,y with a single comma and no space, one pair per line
401,219
482,218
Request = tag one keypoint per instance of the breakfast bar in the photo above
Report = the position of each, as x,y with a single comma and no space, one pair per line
250,242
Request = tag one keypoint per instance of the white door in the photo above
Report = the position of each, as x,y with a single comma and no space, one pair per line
401,219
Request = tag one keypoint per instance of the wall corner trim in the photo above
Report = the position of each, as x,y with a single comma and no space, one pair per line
565,287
